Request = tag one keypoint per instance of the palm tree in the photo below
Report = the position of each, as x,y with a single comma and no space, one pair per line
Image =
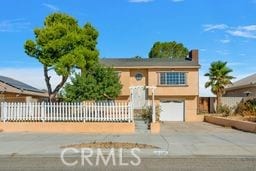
219,78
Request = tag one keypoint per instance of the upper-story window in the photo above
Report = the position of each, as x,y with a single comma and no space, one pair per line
172,78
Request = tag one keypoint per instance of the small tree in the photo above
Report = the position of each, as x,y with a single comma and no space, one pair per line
62,45
98,83
168,50
219,78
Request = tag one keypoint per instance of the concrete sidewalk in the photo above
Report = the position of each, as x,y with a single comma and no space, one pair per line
175,139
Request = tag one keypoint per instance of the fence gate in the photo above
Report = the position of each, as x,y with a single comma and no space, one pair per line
134,98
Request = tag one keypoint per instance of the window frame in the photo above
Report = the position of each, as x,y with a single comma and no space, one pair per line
138,73
172,85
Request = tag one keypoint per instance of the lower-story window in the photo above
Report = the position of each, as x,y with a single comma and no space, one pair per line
172,78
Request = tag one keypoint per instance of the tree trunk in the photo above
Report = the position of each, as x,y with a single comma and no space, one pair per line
219,95
53,93
47,81
58,87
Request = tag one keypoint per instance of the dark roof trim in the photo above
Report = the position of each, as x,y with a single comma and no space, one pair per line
149,63
153,67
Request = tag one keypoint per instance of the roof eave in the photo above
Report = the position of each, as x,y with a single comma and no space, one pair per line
153,67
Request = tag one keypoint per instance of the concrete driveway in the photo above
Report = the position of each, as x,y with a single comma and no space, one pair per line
175,139
201,138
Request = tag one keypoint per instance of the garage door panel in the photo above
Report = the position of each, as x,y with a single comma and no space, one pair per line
172,111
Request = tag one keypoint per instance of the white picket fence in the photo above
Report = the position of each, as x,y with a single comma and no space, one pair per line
67,112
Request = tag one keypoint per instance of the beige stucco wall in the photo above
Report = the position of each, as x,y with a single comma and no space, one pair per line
155,128
151,77
68,127
124,75
143,81
190,89
191,109
127,79
188,93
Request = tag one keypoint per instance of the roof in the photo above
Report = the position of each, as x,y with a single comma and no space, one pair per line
247,81
148,62
19,85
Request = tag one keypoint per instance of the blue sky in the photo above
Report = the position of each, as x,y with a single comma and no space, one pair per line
220,29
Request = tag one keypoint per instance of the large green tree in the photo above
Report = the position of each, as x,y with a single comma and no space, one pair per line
219,78
62,45
168,50
98,83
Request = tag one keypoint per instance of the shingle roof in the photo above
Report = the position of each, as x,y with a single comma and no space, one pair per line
250,80
19,85
147,62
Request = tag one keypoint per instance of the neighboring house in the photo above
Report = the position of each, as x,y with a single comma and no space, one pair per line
242,88
176,82
15,91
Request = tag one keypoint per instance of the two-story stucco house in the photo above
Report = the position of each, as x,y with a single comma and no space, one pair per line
176,82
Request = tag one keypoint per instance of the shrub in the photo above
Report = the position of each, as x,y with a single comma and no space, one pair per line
225,110
246,108
148,111
98,83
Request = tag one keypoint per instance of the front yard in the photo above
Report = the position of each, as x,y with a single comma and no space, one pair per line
236,122
241,116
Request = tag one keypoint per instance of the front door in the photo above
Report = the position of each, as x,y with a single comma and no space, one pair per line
139,97
139,92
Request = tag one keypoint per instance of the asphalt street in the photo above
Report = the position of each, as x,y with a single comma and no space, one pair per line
196,163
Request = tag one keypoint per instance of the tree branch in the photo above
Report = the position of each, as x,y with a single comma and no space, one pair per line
58,87
109,98
49,69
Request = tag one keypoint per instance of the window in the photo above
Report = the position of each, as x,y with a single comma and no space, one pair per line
172,78
138,76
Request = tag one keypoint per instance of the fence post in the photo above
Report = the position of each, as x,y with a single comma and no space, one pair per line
153,113
131,110
42,111
4,111
30,116
153,106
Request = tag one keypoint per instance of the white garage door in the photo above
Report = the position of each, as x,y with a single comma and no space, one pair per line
172,110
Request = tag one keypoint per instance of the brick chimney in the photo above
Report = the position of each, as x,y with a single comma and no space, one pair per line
193,55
